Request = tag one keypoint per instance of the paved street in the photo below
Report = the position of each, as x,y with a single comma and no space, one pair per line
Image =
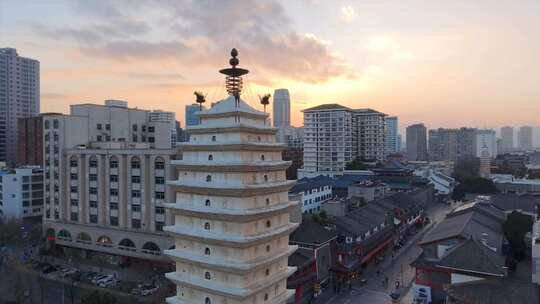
374,292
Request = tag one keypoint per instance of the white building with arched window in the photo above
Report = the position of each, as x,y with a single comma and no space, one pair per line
232,210
105,168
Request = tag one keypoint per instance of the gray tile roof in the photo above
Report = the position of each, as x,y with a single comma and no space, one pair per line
509,202
495,291
471,255
305,183
310,232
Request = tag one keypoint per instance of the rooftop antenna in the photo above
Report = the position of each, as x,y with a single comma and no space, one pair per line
233,81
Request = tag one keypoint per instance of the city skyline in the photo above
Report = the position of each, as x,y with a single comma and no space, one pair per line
365,56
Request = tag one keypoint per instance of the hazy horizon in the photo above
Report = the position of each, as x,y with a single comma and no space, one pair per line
442,63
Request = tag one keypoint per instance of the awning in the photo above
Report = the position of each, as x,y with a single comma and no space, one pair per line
377,249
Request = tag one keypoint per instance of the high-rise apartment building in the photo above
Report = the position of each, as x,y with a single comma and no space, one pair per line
486,143
19,97
451,144
330,140
191,118
21,192
167,117
335,135
105,170
282,108
392,141
525,138
416,142
29,143
370,131
507,137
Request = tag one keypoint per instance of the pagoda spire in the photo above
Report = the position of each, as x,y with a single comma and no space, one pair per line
233,80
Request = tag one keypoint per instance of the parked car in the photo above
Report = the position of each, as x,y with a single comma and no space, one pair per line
49,269
148,289
98,277
68,272
107,281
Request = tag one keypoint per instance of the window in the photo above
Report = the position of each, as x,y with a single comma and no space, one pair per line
55,124
73,163
267,271
93,163
113,206
207,203
214,138
73,189
47,124
93,218
99,138
151,129
267,201
134,128
113,192
92,177
136,208
98,126
134,138
135,163
207,251
207,300
135,193
159,164
92,190
160,195
268,224
266,178
73,176
135,223
113,163
266,297
107,126
74,216
160,210
207,226
267,248
159,226
113,178
143,128
258,138
208,178
93,204
74,202
107,138
135,179
207,276
210,157
262,157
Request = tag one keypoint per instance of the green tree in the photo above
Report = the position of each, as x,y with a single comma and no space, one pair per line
9,231
356,164
515,227
477,185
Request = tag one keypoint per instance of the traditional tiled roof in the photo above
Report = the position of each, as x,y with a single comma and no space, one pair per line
305,183
495,291
509,202
301,258
473,256
310,232
228,105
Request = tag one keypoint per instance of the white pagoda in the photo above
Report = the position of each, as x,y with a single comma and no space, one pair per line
231,212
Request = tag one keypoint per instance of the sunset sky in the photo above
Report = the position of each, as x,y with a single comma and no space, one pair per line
445,63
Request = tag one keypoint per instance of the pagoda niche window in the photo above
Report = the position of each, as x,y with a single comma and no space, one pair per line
207,251
267,272
207,226
213,138
267,248
268,224
262,157
207,300
209,178
210,157
207,276
207,203
267,201
266,178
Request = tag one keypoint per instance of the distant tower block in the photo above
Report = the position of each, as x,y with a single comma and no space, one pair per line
232,209
282,108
